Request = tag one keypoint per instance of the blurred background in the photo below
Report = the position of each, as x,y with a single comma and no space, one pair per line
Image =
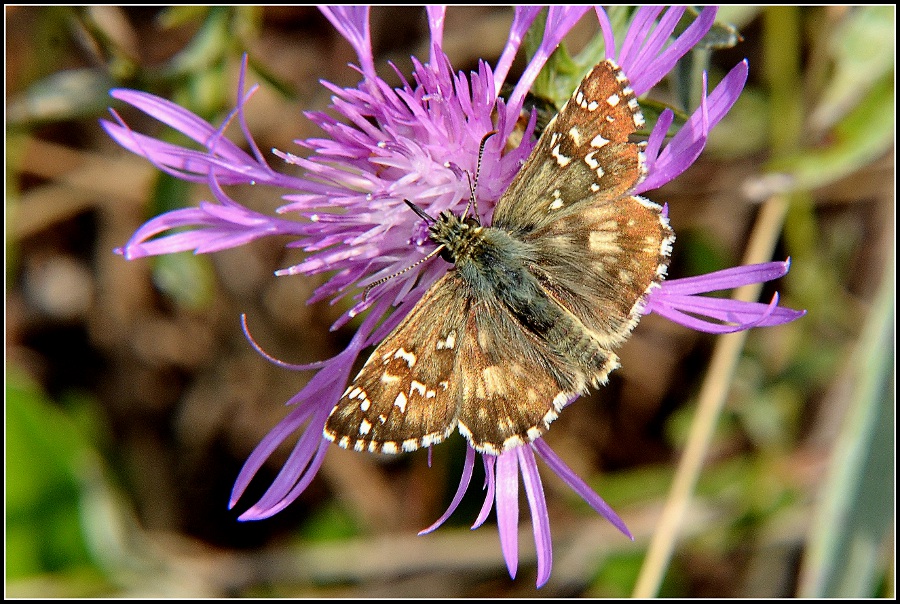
133,399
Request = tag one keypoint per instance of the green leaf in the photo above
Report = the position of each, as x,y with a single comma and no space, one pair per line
862,49
45,456
863,136
187,278
847,555
64,95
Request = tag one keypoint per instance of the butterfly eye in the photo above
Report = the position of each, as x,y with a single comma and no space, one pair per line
448,255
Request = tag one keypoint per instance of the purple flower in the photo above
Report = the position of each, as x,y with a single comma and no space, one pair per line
417,142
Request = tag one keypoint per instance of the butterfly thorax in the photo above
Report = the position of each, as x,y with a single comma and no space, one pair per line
494,264
490,260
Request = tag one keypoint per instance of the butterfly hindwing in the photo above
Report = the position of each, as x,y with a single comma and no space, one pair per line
601,262
511,383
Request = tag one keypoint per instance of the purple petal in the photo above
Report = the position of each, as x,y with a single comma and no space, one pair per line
744,315
579,486
186,122
647,69
180,162
560,20
314,403
436,16
508,508
609,40
302,466
635,38
266,447
460,491
213,227
524,16
728,278
678,300
540,520
353,23
490,484
245,327
686,146
657,136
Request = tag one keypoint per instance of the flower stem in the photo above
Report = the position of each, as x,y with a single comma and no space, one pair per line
712,397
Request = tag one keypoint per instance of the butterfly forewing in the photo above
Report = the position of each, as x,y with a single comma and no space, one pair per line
405,397
582,158
599,249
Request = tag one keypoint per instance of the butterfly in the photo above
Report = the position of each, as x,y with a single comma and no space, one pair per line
531,312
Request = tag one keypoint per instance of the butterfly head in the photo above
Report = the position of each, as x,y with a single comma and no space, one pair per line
457,235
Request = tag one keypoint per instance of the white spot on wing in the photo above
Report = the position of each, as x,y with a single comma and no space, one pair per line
561,159
603,241
400,402
494,383
576,135
448,342
409,357
598,141
417,387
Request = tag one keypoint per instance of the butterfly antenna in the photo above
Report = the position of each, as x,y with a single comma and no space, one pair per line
427,218
473,186
419,211
372,286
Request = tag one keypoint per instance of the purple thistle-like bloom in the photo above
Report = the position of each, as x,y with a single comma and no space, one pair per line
417,142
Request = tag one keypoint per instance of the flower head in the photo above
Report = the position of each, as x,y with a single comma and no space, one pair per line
419,142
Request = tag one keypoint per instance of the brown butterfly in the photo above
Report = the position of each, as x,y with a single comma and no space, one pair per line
535,305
